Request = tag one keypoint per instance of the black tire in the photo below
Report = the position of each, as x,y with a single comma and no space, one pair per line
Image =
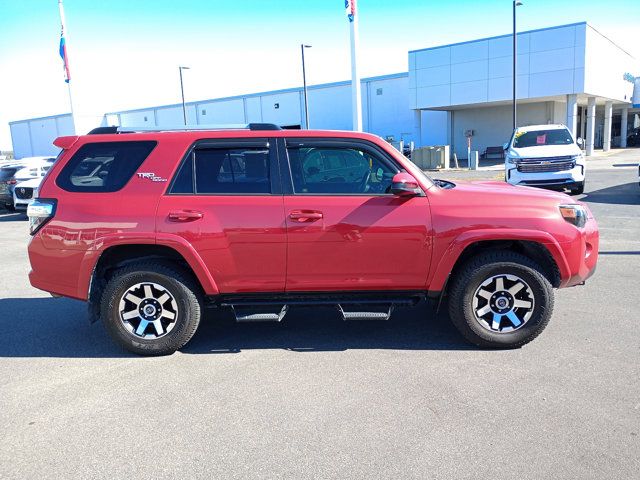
178,283
469,278
578,189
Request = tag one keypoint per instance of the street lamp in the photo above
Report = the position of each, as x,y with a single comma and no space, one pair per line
304,82
184,108
515,56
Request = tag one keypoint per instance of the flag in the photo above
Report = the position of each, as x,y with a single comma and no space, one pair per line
350,7
63,55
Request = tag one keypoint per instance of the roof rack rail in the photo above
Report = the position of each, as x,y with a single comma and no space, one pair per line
184,128
103,131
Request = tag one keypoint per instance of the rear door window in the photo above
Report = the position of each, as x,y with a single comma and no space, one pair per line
103,166
231,170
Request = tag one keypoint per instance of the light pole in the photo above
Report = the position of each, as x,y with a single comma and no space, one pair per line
515,56
304,83
184,108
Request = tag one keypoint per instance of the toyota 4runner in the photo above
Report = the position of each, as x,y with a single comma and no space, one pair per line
151,228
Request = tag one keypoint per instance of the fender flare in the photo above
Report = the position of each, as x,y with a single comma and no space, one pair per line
174,242
441,272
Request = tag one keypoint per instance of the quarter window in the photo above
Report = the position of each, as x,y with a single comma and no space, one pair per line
103,166
338,170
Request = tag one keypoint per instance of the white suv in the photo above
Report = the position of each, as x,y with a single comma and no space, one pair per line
545,156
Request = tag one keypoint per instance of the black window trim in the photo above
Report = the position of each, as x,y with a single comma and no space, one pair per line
213,143
97,192
368,147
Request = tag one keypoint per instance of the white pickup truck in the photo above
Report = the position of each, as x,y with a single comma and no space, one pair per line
545,156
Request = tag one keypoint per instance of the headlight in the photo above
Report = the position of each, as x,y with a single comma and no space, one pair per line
576,158
574,214
512,160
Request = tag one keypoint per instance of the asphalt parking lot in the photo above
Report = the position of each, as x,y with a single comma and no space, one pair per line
315,397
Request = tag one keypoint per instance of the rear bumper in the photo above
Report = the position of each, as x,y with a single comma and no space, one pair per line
55,271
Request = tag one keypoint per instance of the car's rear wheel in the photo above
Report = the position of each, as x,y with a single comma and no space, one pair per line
500,300
151,308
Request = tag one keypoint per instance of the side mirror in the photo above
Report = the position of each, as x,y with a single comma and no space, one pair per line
579,141
505,146
404,185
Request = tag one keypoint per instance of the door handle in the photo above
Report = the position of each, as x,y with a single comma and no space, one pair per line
305,215
185,215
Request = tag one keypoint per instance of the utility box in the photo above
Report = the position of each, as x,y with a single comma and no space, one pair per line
431,158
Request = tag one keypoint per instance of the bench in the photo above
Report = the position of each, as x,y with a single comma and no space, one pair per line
499,151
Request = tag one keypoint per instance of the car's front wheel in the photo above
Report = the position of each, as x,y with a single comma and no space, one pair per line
151,308
500,300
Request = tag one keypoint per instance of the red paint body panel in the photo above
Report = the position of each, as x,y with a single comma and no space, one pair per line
241,240
360,243
250,243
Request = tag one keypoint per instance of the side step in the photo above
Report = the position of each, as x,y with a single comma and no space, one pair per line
383,313
248,314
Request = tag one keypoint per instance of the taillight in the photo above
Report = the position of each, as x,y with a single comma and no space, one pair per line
13,181
40,211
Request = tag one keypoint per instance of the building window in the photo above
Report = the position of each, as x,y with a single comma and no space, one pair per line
145,119
379,91
204,112
276,105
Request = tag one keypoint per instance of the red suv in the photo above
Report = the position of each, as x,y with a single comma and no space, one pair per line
151,228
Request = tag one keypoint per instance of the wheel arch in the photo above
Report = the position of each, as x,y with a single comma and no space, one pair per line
120,255
538,246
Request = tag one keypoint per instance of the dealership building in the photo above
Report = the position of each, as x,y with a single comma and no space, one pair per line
570,74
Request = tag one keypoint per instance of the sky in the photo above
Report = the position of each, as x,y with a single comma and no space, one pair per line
124,54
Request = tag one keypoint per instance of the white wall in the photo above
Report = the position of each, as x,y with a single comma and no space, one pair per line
174,116
492,125
434,127
385,102
605,68
219,112
330,108
35,137
387,109
550,62
281,108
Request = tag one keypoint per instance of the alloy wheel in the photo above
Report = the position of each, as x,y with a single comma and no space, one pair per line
503,303
148,310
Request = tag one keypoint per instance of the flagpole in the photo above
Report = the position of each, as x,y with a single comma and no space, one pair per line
64,33
356,94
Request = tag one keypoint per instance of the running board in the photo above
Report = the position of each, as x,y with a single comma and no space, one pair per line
361,315
245,314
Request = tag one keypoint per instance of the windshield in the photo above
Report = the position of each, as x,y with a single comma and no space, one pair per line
537,138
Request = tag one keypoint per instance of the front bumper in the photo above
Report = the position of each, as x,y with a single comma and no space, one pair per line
581,254
562,179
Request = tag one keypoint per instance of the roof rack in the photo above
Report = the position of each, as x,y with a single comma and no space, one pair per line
183,128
